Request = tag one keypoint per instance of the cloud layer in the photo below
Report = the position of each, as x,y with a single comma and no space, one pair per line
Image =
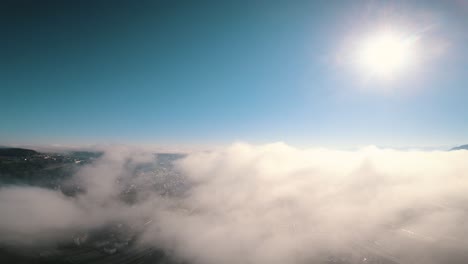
264,204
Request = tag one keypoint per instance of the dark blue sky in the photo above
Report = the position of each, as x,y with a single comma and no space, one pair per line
211,72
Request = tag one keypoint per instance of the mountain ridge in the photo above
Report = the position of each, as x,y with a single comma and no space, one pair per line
465,147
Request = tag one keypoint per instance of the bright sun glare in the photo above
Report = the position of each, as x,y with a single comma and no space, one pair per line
385,54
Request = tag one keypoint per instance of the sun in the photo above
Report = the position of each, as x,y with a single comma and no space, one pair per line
385,55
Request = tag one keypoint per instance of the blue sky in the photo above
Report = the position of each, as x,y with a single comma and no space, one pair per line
215,72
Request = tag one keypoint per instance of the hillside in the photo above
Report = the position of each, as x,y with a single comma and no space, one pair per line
17,152
460,147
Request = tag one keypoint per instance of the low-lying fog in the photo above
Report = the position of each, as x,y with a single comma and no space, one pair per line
262,204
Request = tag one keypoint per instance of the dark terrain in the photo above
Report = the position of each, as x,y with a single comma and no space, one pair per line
108,244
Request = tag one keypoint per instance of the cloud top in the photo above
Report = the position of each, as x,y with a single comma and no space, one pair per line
265,204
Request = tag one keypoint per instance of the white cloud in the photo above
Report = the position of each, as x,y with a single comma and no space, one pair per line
271,204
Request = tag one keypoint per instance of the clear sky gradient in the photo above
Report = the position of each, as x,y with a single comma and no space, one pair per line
213,72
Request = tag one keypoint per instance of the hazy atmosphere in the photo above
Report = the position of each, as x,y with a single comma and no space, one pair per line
208,132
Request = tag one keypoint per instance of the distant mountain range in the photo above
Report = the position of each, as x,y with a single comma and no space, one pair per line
22,152
460,147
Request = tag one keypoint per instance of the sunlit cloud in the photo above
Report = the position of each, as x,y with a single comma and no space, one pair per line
263,204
